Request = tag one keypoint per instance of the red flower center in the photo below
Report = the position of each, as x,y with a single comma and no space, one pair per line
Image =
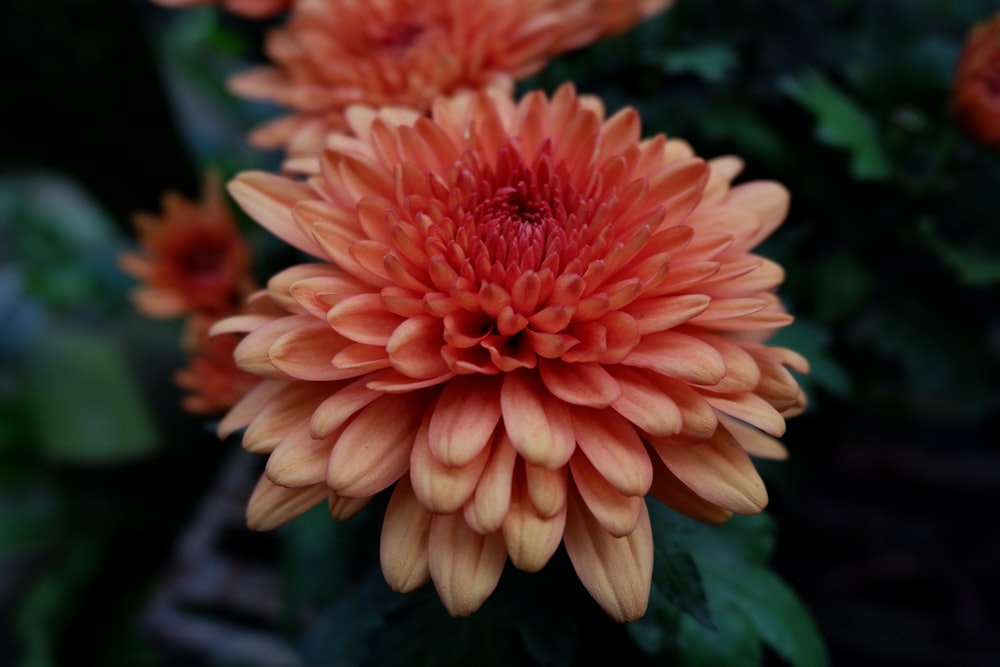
396,38
516,217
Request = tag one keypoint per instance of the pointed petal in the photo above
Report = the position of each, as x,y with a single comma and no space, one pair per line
718,470
415,347
616,512
539,425
580,384
611,444
271,505
374,449
487,508
753,441
464,419
269,199
364,319
334,411
442,489
645,404
465,566
247,407
403,547
616,571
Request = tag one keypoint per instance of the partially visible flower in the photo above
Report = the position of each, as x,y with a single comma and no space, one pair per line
256,9
976,91
214,381
192,259
620,15
335,53
526,318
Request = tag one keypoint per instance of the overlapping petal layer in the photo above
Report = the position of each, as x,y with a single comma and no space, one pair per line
335,53
528,319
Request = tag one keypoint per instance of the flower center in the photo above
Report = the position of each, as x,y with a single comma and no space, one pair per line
520,217
396,38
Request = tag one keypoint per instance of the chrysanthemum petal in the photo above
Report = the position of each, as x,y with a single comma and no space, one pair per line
442,489
679,356
754,441
269,200
289,407
486,510
616,571
465,566
342,509
645,404
673,493
364,319
299,459
334,411
247,408
271,505
539,425
580,384
464,418
374,449
616,512
530,538
719,471
403,547
769,200
612,445
750,408
415,347
307,351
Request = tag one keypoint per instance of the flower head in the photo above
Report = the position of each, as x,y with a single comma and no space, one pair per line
526,318
213,380
336,53
193,260
976,91
255,9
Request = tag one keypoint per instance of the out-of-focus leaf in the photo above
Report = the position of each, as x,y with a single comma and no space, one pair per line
741,126
86,405
841,123
974,264
734,643
712,62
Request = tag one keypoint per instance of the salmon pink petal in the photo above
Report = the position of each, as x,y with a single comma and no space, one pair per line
405,530
464,418
611,444
364,319
645,404
679,356
464,565
546,489
343,509
249,406
580,384
666,312
415,347
271,505
616,571
769,200
252,354
750,408
616,512
307,352
392,382
442,489
334,411
675,494
374,449
289,407
539,426
753,441
531,539
486,510
269,200
299,460
718,470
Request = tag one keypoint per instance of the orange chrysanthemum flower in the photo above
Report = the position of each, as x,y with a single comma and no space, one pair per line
193,260
255,9
335,53
976,93
214,381
526,319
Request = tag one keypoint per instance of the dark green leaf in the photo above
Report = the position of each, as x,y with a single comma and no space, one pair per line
842,123
712,62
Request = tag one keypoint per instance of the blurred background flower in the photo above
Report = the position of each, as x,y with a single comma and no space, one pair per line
880,519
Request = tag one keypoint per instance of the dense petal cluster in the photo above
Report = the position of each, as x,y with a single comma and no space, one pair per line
335,53
255,9
976,92
192,259
525,318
